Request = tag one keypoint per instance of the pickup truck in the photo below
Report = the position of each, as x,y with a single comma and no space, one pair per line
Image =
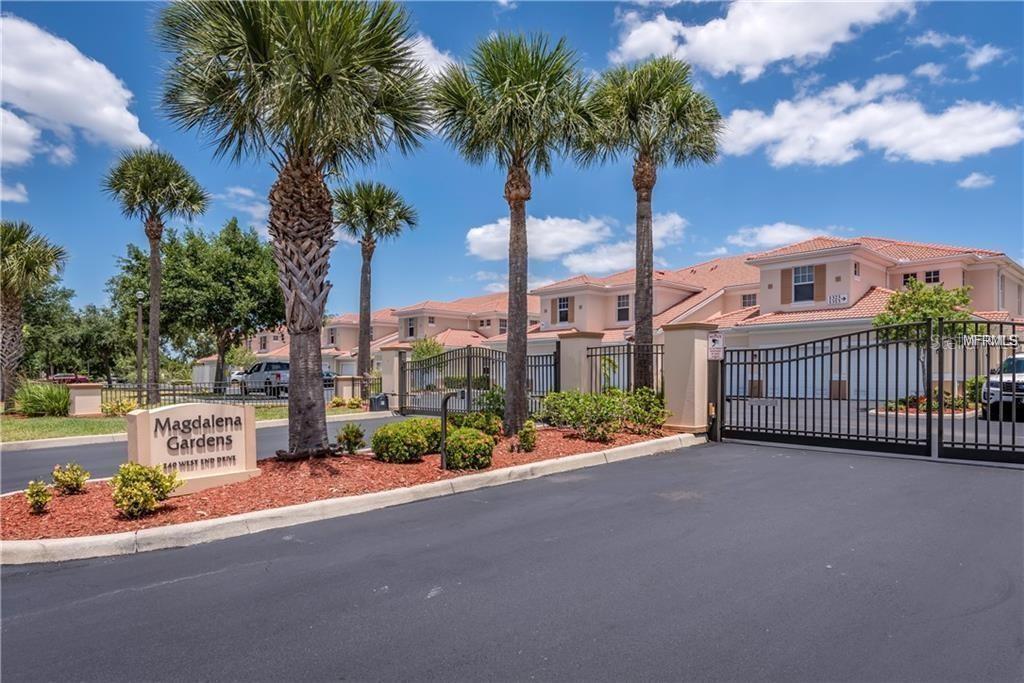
999,393
269,377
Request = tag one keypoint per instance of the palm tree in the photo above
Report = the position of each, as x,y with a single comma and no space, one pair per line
27,262
370,213
651,112
317,87
518,102
151,185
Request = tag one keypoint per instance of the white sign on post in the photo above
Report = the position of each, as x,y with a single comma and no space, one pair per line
716,346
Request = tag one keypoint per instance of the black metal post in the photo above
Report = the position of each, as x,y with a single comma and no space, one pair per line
558,366
469,379
401,382
930,350
444,429
942,373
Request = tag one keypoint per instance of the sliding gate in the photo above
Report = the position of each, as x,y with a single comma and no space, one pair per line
929,389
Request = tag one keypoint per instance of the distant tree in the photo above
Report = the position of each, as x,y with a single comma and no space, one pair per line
370,213
100,340
218,289
917,303
517,102
652,113
240,357
152,186
28,262
50,327
426,348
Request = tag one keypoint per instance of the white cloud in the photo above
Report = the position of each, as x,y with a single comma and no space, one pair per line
245,201
976,56
752,35
59,89
932,71
498,282
547,238
432,59
834,126
938,40
62,155
13,193
975,181
774,235
18,139
717,251
668,228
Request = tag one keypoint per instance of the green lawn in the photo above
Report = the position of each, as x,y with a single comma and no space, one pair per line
13,428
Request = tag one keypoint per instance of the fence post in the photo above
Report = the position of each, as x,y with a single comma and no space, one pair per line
686,376
469,378
557,366
574,366
934,448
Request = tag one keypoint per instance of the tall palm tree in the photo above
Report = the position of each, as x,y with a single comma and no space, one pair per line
315,86
370,213
28,261
151,185
651,112
518,102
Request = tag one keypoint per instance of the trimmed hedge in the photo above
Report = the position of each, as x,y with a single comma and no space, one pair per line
468,449
70,479
399,442
430,428
138,489
487,423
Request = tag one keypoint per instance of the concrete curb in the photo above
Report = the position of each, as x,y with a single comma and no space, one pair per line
192,533
36,444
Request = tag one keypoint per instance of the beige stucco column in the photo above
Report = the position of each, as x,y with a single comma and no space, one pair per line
389,370
86,399
686,376
574,368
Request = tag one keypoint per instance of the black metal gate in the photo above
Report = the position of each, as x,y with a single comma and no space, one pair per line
470,371
929,389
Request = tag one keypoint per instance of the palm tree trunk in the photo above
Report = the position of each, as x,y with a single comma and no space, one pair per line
12,347
363,359
301,227
644,178
154,231
517,193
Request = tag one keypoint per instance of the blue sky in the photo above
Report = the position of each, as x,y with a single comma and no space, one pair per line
888,119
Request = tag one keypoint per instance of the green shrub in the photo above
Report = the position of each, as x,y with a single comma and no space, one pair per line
485,422
352,438
595,417
480,382
562,409
645,411
38,496
492,402
430,428
468,449
43,399
355,403
70,479
973,387
118,407
399,442
337,402
527,437
138,489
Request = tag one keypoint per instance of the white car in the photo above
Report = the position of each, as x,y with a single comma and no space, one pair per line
237,376
999,393
269,377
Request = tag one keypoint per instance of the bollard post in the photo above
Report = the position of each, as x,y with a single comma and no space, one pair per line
444,428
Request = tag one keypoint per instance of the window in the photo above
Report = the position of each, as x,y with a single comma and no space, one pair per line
410,327
263,343
330,336
803,283
371,332
563,309
253,369
622,308
502,325
430,320
856,268
1002,292
907,277
931,277
485,323
748,300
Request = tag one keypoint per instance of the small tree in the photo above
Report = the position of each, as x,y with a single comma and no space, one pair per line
426,348
920,303
240,357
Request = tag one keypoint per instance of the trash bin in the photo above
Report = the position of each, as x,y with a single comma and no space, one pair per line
379,402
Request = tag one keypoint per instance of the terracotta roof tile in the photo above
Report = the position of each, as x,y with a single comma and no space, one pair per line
897,250
471,304
731,318
381,315
713,276
868,306
453,338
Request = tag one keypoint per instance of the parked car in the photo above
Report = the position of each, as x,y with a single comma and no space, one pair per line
237,376
999,395
67,378
269,377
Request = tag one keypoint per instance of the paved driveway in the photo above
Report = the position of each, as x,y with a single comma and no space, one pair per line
725,562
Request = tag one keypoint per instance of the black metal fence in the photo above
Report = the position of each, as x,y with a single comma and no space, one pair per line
171,393
353,386
471,371
615,366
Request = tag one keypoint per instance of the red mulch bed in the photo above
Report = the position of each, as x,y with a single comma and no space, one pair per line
279,484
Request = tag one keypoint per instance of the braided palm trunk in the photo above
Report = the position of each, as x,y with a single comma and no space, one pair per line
154,232
644,178
517,193
12,347
301,228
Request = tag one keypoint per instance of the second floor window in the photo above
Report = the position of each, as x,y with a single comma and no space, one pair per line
856,268
502,325
1001,295
430,320
263,343
622,308
748,300
931,277
563,309
803,283
410,327
330,336
907,277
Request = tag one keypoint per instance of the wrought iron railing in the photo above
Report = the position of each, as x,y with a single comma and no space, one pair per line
614,366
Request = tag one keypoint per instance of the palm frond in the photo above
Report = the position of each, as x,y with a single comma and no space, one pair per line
371,212
27,260
151,183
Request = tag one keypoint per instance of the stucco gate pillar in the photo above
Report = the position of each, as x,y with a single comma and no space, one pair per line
389,373
686,376
573,364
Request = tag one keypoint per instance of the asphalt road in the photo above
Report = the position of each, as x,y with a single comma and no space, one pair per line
724,562
17,468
